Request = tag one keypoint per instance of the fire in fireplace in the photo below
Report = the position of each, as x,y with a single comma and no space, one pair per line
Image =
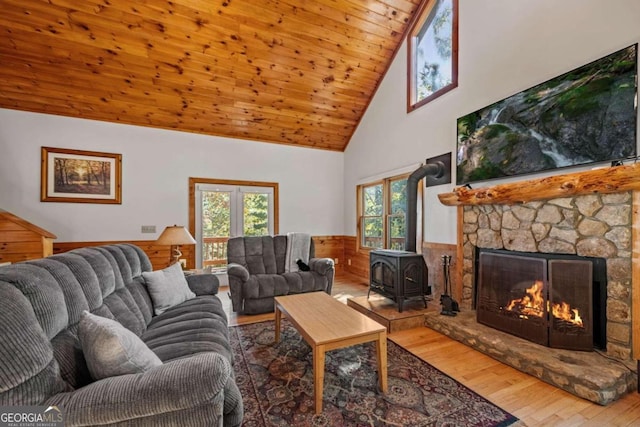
534,303
551,299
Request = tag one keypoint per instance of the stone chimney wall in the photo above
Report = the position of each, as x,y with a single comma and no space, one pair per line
591,225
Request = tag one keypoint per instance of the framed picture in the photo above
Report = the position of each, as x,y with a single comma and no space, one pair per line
76,176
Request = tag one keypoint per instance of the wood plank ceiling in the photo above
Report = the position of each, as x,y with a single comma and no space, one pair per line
298,72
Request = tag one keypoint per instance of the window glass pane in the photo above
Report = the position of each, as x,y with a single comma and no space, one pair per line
216,214
397,232
256,214
398,196
434,47
372,232
216,227
372,200
396,227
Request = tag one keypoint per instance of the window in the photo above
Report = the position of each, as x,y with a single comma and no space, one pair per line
432,52
223,209
382,214
371,221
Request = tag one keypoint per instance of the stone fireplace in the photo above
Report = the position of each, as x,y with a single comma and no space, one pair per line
555,300
588,226
575,218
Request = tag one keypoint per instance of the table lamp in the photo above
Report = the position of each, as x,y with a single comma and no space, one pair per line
175,236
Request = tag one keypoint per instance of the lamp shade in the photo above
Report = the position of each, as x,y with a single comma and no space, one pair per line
175,235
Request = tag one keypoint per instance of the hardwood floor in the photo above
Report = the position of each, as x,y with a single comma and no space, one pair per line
536,403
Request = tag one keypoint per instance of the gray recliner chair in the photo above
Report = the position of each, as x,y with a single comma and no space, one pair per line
257,274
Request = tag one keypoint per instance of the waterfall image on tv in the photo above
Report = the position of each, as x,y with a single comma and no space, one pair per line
587,115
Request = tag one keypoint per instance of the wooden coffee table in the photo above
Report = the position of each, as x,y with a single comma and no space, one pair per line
327,324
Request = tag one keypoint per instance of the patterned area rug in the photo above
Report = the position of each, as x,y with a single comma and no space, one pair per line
276,382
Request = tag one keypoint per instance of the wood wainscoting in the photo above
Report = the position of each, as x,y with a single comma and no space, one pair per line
331,247
159,255
357,260
325,246
340,248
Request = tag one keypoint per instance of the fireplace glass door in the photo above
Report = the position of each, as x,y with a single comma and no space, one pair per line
509,292
540,298
571,302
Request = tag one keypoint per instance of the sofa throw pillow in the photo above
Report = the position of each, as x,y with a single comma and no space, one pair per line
167,287
110,349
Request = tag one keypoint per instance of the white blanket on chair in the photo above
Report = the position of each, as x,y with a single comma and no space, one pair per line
298,247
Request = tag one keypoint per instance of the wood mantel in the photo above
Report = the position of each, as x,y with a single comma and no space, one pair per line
613,179
607,180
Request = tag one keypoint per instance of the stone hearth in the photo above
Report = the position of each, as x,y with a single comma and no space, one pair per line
589,375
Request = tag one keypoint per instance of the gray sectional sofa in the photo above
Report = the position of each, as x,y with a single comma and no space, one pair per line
42,362
257,273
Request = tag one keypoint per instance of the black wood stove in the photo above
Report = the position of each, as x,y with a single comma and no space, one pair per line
403,274
398,275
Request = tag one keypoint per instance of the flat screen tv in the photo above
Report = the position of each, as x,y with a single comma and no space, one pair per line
587,115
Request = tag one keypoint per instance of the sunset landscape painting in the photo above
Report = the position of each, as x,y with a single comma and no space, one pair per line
80,176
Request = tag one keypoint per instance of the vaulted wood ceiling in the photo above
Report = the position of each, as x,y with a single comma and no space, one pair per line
296,72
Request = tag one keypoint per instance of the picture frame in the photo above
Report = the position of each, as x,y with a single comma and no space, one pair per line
77,176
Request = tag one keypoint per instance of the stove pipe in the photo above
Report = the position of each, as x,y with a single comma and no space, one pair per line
436,170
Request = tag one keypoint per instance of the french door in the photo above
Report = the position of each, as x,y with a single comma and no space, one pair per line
226,210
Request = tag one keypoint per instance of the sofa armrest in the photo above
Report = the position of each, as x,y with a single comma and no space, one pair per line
203,284
321,265
238,275
185,390
238,271
324,267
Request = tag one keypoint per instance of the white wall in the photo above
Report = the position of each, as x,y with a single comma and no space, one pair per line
156,167
505,46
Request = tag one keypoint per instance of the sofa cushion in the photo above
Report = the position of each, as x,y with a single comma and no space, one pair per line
140,294
68,352
256,253
280,249
28,370
43,292
305,281
114,293
195,326
265,285
125,310
131,262
110,349
167,287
